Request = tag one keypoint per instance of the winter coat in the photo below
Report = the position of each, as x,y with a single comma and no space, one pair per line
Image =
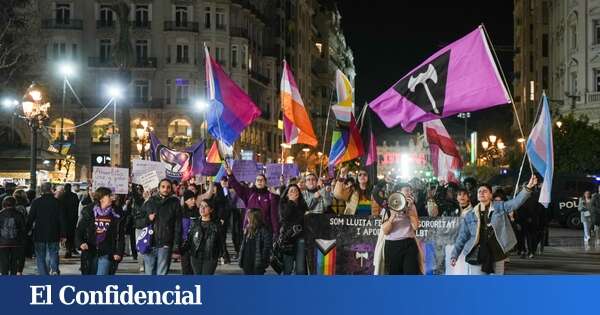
261,199
351,197
137,212
262,255
468,233
167,222
210,248
317,205
46,219
292,213
70,204
13,228
113,244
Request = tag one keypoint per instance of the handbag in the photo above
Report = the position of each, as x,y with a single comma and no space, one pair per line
286,242
143,243
473,257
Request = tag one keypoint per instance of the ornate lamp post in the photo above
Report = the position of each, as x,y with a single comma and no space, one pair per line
142,132
35,112
492,148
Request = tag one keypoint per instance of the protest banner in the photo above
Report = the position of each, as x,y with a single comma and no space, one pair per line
244,170
149,180
273,172
344,245
141,167
115,178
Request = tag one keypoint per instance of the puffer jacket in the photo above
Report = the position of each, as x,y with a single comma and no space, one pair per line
212,244
468,233
167,223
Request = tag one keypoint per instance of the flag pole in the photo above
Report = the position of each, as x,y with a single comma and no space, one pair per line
325,135
283,124
521,169
512,102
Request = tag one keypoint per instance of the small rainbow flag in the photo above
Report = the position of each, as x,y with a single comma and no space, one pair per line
325,254
213,154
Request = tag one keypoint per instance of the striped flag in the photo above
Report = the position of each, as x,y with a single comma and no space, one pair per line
540,148
346,144
296,123
445,157
344,109
213,154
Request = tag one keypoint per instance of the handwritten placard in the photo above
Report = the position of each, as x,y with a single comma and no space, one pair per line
141,167
149,180
273,172
115,178
244,170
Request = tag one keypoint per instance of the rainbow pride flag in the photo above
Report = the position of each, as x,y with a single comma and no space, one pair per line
346,144
232,110
325,254
213,154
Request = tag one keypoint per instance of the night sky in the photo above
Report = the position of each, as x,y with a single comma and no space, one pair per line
390,38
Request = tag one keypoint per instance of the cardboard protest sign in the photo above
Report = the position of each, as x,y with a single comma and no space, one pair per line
273,172
244,170
149,180
115,178
141,167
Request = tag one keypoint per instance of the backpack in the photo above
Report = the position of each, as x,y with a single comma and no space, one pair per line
8,229
143,243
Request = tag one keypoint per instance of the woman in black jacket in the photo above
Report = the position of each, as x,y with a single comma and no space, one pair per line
292,208
100,235
205,241
255,251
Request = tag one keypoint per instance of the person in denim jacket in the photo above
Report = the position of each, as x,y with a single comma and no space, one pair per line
487,244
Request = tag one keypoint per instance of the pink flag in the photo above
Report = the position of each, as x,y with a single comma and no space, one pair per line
462,77
445,157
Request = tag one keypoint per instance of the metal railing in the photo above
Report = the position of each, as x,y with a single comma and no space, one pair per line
182,26
150,62
593,97
70,24
99,62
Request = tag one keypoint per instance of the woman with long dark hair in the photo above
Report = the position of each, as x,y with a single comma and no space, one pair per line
257,245
100,235
356,194
205,240
292,208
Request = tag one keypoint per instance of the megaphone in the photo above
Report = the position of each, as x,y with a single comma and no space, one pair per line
396,202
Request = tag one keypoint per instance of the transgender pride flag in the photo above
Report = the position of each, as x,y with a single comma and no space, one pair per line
231,109
541,151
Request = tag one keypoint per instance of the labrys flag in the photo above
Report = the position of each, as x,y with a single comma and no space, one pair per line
462,77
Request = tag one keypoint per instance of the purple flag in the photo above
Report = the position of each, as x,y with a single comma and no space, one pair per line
179,165
462,77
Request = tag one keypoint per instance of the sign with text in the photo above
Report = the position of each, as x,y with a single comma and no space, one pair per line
244,170
141,167
345,245
273,172
115,178
149,180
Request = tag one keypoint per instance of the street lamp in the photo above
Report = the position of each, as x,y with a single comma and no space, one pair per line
142,131
493,148
559,124
35,112
66,69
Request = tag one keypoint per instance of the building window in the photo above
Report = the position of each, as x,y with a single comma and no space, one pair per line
168,91
106,15
234,56
220,19
183,53
181,16
74,51
101,130
597,79
141,49
545,74
596,32
207,17
68,130
545,45
220,54
59,50
141,15
182,91
244,56
142,90
531,63
105,49
63,13
179,133
573,83
573,33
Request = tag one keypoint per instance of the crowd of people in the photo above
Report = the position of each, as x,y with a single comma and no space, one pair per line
189,222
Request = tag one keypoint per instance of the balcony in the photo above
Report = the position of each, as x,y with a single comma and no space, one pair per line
99,62
70,24
593,97
146,62
221,27
100,24
238,32
181,27
144,25
259,77
144,102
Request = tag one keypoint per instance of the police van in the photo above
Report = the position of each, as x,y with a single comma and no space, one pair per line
566,191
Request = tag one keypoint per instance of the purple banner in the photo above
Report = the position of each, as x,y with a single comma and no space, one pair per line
179,165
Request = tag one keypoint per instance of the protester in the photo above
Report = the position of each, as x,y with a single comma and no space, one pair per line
292,208
258,197
464,206
257,244
400,250
100,235
485,234
357,196
471,185
529,217
318,199
9,189
431,205
595,211
47,221
189,213
13,231
23,206
236,215
205,240
163,212
585,210
70,203
139,217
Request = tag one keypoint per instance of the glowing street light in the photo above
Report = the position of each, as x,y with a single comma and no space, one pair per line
115,91
521,140
66,69
9,103
201,105
559,124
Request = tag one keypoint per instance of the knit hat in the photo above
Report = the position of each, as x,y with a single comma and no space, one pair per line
188,194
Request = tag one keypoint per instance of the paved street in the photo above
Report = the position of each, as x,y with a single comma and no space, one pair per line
565,255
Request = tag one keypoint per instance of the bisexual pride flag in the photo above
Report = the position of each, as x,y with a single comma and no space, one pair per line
231,110
462,77
540,148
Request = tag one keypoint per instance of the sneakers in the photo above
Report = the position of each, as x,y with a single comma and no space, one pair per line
530,256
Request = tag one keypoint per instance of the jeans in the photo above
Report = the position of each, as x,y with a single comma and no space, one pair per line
237,233
295,262
46,255
157,262
103,264
587,223
475,270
